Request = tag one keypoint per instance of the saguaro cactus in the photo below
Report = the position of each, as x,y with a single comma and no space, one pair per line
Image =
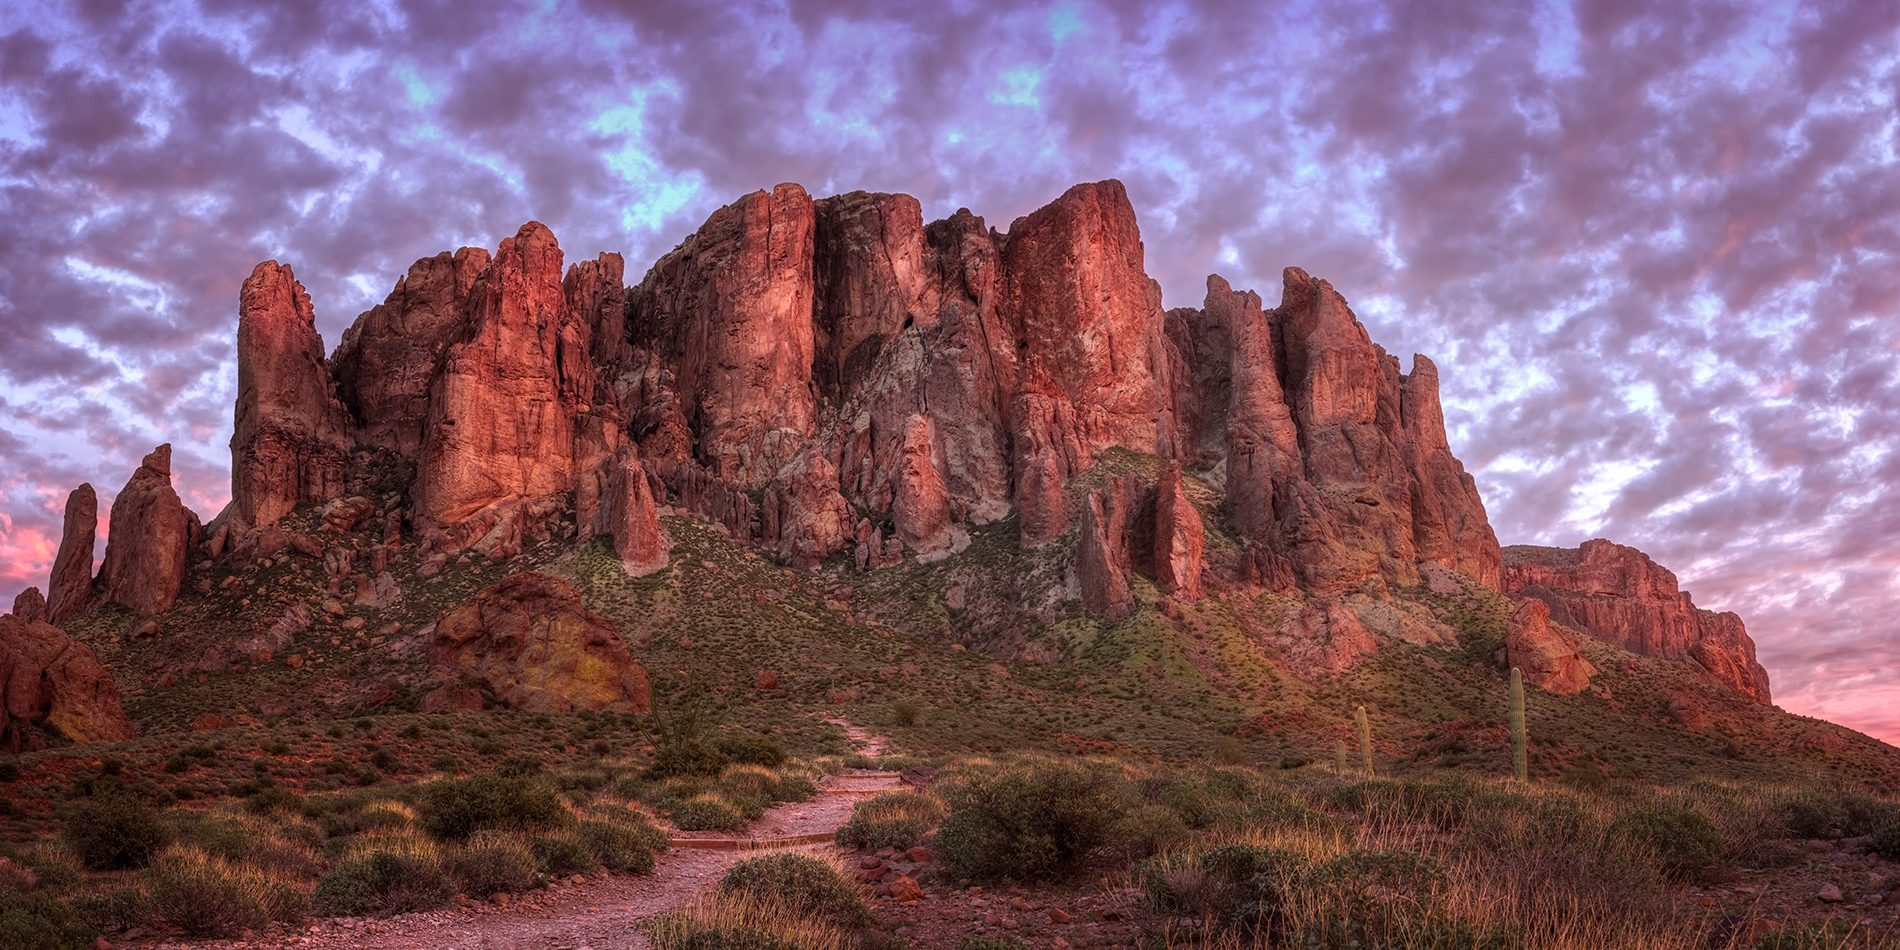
1365,739
1339,759
1520,740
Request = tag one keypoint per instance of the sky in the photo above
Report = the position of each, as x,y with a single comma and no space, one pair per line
1651,246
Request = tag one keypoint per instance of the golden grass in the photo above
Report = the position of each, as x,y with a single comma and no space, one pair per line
749,916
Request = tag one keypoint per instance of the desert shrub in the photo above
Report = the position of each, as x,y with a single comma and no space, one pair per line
707,813
113,831
748,749
1148,830
1031,820
384,875
1447,804
114,909
1237,886
891,820
904,713
384,814
456,808
617,846
206,896
1886,839
1229,750
1683,841
805,884
723,922
39,920
270,844
1822,814
494,863
561,853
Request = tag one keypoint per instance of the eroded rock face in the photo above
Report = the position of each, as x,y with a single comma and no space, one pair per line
870,280
1101,554
634,518
1179,538
1547,655
499,440
291,439
805,519
146,540
1618,594
70,589
52,688
921,510
30,606
730,313
529,644
388,359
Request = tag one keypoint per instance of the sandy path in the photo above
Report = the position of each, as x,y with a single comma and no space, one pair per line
604,912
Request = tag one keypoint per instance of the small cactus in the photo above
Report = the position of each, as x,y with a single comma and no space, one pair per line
1365,739
1340,766
1520,740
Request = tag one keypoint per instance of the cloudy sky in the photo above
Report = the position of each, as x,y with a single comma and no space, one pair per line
1652,246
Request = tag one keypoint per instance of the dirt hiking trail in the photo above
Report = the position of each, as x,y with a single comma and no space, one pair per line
603,911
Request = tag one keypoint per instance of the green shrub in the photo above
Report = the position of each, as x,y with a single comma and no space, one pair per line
1683,840
456,808
114,910
751,750
382,883
204,896
617,846
113,831
904,713
891,820
707,813
1886,840
1238,886
802,883
562,854
40,921
494,863
1029,821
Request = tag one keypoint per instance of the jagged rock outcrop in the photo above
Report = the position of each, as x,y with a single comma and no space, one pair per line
805,519
634,518
729,312
53,687
1179,538
1101,554
499,440
870,280
69,591
597,292
291,439
1547,655
1618,594
146,539
388,359
921,509
1094,363
527,643
30,606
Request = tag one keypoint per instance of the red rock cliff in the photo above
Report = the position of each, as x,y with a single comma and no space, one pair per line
1618,594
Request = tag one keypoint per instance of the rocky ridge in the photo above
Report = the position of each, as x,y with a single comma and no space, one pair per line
836,381
1618,594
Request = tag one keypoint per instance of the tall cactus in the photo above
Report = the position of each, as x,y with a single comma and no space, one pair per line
1365,739
1340,766
1520,739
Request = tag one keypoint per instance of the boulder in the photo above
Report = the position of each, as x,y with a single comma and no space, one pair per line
1618,594
53,688
291,439
1547,655
528,643
149,533
70,589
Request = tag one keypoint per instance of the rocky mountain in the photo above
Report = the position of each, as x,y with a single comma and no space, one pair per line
1618,594
838,384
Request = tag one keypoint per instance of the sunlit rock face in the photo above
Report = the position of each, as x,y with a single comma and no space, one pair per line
838,378
147,539
1616,593
53,689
